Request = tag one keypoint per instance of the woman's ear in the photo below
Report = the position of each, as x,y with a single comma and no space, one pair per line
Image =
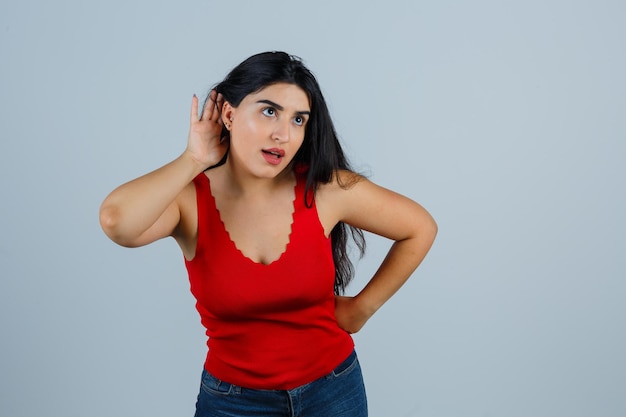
227,113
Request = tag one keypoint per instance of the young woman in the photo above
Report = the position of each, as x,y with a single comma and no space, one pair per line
262,202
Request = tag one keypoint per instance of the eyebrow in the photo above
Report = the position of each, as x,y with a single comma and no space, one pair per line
281,108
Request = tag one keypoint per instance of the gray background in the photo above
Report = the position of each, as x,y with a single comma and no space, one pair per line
505,119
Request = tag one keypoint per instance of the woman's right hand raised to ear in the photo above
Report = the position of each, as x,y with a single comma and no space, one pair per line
151,207
205,144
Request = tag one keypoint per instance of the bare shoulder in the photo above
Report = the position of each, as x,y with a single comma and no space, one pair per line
332,199
347,188
355,200
342,180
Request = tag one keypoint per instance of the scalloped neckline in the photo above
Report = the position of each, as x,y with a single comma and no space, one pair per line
234,244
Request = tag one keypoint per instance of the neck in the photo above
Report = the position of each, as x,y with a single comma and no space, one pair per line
241,182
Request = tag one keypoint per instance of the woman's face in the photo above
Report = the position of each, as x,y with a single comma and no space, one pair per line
267,128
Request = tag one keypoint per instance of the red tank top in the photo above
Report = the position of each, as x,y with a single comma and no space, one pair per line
268,326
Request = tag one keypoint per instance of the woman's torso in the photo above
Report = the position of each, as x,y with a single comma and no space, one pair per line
270,324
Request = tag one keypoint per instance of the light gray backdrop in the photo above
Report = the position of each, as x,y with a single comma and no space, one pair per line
505,119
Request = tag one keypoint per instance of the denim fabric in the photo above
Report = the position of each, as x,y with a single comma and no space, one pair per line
338,394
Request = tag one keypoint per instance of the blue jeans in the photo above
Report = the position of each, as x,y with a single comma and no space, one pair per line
341,393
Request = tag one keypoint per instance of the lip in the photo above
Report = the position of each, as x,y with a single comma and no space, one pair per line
273,156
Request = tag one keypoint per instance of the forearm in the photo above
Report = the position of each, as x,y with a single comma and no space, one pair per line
134,207
401,261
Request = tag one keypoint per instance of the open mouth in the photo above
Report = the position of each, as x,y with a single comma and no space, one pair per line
274,155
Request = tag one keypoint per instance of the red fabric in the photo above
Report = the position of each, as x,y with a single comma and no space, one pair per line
268,326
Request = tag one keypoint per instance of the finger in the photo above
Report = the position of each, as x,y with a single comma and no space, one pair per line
207,112
219,103
194,109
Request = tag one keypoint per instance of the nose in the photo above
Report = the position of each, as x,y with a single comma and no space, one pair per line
281,132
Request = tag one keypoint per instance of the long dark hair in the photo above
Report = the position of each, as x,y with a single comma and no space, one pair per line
321,151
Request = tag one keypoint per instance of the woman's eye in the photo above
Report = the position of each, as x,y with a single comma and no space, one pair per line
269,111
299,120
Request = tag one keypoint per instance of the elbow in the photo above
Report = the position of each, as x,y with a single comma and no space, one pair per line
431,230
110,217
427,230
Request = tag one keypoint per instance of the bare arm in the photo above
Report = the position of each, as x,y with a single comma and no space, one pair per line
149,208
373,208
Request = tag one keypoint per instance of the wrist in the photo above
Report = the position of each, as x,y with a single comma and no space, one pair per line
197,165
366,305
